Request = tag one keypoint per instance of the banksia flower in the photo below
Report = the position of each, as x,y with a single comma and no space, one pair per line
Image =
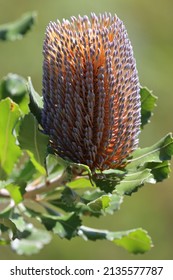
90,91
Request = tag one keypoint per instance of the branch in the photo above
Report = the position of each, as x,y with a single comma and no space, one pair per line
46,186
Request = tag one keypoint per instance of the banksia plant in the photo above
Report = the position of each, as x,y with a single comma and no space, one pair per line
91,91
90,115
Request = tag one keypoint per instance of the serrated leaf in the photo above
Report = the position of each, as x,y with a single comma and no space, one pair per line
159,152
134,241
8,225
8,231
70,197
108,179
32,242
100,204
15,30
148,102
114,204
132,181
159,170
34,142
36,103
14,86
65,226
148,165
106,184
18,220
9,151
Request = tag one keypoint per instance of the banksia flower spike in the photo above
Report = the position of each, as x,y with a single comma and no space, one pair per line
90,91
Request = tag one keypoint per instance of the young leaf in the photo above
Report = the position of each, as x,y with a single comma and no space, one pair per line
148,102
36,103
115,202
14,86
106,204
9,151
135,241
80,183
14,193
100,204
34,142
15,30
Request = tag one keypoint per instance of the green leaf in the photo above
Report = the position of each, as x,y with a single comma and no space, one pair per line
8,225
14,86
159,170
80,183
65,226
9,151
53,167
3,175
132,181
108,179
148,102
114,204
134,241
159,152
36,102
3,183
14,193
15,30
106,204
100,203
34,142
31,241
147,165
23,173
70,197
18,219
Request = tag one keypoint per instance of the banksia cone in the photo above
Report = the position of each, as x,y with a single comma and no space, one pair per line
90,91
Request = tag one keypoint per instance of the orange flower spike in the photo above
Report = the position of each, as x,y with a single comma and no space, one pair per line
91,91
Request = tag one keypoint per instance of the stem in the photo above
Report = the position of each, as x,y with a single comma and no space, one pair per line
46,186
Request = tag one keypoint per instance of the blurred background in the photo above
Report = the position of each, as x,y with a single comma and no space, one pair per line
150,28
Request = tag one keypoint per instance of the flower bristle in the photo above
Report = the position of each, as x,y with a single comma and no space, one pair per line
91,91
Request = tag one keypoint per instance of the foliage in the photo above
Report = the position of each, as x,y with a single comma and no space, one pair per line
16,30
41,194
